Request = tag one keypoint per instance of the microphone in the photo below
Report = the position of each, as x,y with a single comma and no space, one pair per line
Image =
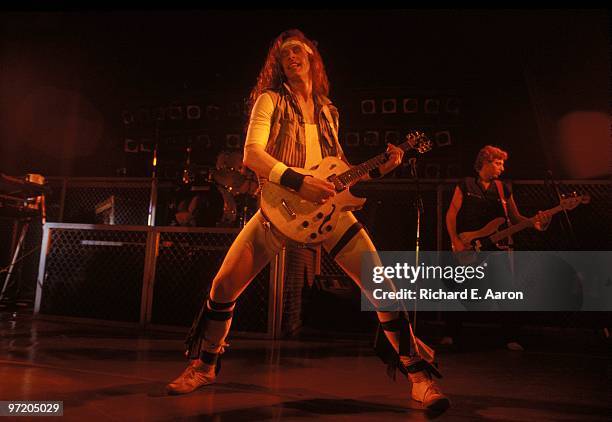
413,167
548,174
550,185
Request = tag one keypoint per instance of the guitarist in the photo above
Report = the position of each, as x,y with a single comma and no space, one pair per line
293,124
478,200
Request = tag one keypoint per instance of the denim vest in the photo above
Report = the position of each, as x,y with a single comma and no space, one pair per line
287,140
479,206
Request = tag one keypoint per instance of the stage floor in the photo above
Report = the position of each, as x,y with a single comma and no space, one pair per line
103,373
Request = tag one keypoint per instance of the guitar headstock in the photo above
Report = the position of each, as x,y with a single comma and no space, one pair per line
419,142
571,201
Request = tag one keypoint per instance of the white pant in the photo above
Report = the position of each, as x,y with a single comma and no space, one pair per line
256,245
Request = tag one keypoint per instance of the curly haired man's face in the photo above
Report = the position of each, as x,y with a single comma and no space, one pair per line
295,61
493,168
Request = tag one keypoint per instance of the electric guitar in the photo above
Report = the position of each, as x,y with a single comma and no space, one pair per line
308,222
489,237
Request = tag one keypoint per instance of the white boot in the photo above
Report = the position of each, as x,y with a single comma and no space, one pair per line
426,391
196,375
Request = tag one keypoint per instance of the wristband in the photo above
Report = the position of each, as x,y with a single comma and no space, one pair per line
375,174
276,172
292,179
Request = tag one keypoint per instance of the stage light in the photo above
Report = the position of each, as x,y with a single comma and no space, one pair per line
170,141
203,140
212,112
368,107
175,113
370,138
232,140
143,115
234,109
158,113
392,137
443,138
352,139
411,105
432,106
146,145
389,106
193,112
452,171
130,145
432,171
452,105
128,117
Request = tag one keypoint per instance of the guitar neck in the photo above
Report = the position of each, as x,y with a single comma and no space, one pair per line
521,226
355,173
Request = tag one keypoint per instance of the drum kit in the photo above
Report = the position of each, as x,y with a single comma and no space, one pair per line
223,196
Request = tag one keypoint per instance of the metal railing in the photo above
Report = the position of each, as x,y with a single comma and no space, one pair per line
175,264
154,277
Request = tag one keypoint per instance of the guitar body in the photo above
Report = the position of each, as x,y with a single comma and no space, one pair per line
479,241
479,238
303,221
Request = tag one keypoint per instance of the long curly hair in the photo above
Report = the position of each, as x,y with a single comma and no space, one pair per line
272,76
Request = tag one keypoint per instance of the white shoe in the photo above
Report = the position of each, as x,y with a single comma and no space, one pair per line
427,392
197,375
446,341
514,346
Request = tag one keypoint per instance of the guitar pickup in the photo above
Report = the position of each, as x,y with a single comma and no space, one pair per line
287,208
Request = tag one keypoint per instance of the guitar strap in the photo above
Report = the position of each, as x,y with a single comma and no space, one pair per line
330,122
502,198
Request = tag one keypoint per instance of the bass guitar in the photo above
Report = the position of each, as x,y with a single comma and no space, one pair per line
490,237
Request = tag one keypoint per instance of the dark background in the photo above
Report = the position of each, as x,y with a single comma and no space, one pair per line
533,82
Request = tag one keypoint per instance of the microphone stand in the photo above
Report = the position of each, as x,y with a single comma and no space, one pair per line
419,210
418,205
153,195
553,186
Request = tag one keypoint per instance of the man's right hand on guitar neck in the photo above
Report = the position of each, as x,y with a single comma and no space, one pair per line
314,189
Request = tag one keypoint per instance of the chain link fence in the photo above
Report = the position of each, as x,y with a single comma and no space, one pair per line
94,274
143,275
590,224
74,200
391,220
188,260
6,237
186,265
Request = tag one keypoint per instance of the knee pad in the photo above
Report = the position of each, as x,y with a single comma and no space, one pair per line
386,352
401,326
219,311
210,311
411,357
398,324
345,239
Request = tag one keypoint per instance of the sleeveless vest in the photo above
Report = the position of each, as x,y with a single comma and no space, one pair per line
287,140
